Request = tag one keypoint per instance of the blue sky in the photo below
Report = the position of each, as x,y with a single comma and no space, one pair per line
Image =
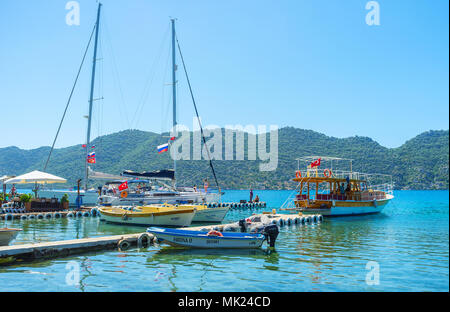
308,64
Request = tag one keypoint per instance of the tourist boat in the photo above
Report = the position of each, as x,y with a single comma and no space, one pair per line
7,235
212,239
337,190
168,216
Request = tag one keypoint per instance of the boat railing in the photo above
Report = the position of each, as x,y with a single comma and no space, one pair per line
340,174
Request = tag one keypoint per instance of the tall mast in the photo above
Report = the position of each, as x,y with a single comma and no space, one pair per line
88,135
174,91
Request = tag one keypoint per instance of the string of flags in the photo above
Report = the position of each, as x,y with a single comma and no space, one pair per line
91,158
165,147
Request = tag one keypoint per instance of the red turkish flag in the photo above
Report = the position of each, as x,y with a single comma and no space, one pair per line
315,163
123,186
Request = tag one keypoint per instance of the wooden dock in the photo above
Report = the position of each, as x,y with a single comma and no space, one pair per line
46,250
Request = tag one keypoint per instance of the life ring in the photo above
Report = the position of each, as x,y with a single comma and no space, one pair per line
298,174
327,173
215,233
124,194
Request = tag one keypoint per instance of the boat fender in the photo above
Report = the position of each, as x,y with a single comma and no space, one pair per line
144,240
57,215
48,215
32,216
86,214
79,214
123,244
308,219
315,218
297,220
274,221
40,216
69,215
214,233
320,217
23,217
271,233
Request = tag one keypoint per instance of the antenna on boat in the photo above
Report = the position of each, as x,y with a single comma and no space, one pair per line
91,96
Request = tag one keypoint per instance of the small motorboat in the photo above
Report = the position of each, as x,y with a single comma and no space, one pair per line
168,216
214,239
7,235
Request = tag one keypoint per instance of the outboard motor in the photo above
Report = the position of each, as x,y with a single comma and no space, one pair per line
242,224
271,234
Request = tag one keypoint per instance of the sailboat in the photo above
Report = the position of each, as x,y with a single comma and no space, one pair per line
149,187
81,196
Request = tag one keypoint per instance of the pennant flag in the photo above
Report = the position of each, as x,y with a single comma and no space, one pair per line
315,163
91,160
172,139
123,186
93,146
83,146
163,148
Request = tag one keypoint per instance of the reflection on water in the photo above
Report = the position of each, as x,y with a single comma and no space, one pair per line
409,240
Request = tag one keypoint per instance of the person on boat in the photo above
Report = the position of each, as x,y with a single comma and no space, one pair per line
195,188
13,190
342,189
256,199
205,185
251,195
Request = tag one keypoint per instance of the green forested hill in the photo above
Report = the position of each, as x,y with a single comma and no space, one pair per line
420,163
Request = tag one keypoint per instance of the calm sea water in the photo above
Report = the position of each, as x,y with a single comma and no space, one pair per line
409,242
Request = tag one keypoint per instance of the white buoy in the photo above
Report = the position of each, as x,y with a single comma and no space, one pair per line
57,215
48,215
40,216
86,214
70,215
79,214
32,216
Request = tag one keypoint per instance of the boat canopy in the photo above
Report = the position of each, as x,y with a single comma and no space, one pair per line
129,181
159,174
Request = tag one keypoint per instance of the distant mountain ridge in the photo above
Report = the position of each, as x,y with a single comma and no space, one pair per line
420,163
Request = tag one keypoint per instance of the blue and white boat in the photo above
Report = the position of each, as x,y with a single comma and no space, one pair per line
212,239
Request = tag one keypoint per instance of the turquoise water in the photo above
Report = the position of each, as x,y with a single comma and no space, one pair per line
409,241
